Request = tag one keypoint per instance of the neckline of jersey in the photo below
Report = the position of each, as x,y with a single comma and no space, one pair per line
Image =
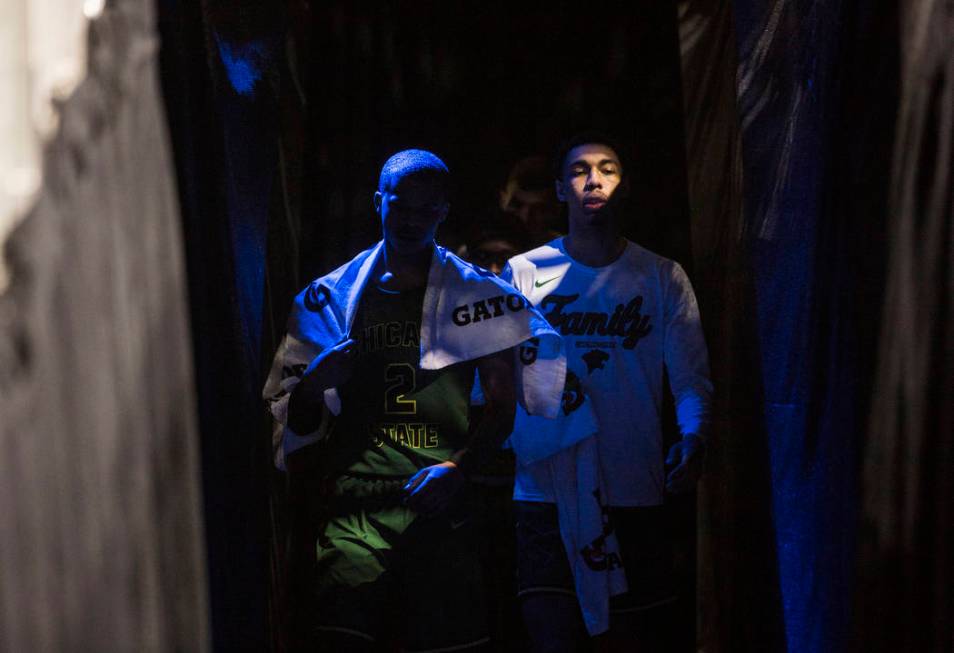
385,291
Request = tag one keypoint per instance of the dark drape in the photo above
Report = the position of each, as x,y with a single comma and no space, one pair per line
905,594
840,258
787,97
220,81
739,606
482,84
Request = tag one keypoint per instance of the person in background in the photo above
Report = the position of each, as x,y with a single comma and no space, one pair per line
528,196
491,242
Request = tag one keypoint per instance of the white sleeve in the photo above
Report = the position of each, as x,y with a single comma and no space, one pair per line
686,357
515,273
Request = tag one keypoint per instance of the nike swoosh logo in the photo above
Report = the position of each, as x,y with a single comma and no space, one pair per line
540,284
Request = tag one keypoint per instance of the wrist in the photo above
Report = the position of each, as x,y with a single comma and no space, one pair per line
697,445
695,437
311,383
461,460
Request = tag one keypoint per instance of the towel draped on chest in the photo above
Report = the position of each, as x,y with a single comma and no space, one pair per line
467,313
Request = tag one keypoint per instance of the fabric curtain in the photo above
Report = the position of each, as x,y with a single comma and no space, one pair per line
790,106
220,73
822,235
736,552
101,540
905,596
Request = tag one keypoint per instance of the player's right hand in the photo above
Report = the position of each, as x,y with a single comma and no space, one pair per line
331,368
431,489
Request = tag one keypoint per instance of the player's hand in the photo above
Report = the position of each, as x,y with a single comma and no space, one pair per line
685,457
330,368
431,490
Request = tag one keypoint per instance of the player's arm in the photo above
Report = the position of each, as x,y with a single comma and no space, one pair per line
495,422
686,361
432,488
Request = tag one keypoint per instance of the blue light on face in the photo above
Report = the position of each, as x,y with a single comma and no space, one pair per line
243,63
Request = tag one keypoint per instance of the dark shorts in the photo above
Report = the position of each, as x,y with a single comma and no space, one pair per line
542,564
386,575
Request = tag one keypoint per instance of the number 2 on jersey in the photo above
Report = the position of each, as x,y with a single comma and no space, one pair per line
401,382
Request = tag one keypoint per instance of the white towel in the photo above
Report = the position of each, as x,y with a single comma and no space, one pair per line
467,313
566,448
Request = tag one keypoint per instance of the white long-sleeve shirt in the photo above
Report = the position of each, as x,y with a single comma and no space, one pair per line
621,324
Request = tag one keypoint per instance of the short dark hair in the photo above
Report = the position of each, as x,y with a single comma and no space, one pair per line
414,162
497,226
588,137
531,173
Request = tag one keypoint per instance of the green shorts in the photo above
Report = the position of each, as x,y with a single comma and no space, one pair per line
387,575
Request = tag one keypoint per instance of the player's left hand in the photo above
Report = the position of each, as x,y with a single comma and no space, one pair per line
687,455
430,490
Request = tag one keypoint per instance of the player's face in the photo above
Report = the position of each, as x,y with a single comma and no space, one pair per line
591,175
410,211
527,205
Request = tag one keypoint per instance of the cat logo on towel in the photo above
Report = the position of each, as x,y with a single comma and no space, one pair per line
594,554
529,350
486,309
316,297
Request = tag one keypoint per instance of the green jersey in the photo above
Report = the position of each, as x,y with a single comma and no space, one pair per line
397,418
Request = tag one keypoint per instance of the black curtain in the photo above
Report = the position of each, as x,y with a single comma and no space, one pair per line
796,88
482,84
740,603
221,78
905,590
792,242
